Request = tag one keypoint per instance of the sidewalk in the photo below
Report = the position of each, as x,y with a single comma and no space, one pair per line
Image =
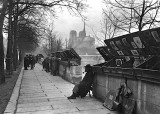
42,93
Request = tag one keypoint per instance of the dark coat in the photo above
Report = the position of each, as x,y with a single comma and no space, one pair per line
86,84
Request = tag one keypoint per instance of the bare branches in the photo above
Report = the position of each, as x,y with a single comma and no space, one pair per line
52,42
135,14
73,6
100,40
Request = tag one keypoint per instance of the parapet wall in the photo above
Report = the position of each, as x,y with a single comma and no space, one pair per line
72,74
145,93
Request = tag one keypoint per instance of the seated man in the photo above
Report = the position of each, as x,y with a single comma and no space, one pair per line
84,86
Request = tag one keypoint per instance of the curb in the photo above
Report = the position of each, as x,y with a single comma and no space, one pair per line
12,104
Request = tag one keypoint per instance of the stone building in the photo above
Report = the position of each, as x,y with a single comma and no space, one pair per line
83,44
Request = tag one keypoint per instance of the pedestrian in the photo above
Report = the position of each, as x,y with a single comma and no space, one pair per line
26,62
32,61
54,65
47,64
29,60
51,65
44,64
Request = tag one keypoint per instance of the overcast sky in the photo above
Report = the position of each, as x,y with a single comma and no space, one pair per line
65,22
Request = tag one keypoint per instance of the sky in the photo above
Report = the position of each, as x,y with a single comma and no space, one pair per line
66,22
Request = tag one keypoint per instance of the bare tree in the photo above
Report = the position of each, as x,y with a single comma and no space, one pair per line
59,44
110,23
108,28
135,14
99,37
66,43
25,7
52,42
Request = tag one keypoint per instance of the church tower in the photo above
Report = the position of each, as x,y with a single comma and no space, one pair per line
84,29
72,38
82,34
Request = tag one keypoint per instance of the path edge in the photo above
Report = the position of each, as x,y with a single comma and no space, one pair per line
12,104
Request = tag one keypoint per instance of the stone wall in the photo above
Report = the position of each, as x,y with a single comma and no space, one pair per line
72,74
145,93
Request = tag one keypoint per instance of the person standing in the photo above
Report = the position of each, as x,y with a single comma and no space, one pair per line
26,62
43,64
47,64
32,61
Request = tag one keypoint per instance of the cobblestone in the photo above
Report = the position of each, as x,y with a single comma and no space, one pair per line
42,93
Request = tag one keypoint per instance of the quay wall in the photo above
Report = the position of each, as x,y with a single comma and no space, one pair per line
146,93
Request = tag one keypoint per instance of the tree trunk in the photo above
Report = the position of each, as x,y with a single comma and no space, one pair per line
20,56
15,52
2,74
15,47
9,45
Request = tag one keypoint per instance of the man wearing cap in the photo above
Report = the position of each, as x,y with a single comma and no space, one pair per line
84,86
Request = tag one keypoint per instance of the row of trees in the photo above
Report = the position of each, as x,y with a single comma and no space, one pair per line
126,16
51,41
22,20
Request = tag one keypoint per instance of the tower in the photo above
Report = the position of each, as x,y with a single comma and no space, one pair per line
82,34
84,29
72,37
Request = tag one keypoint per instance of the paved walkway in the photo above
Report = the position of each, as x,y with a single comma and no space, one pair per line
41,93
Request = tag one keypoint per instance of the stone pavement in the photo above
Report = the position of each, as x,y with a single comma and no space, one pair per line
39,92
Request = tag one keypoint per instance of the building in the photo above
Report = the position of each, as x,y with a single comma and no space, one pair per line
83,44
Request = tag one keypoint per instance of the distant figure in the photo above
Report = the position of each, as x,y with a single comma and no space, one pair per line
85,85
51,65
32,61
26,62
55,65
45,64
